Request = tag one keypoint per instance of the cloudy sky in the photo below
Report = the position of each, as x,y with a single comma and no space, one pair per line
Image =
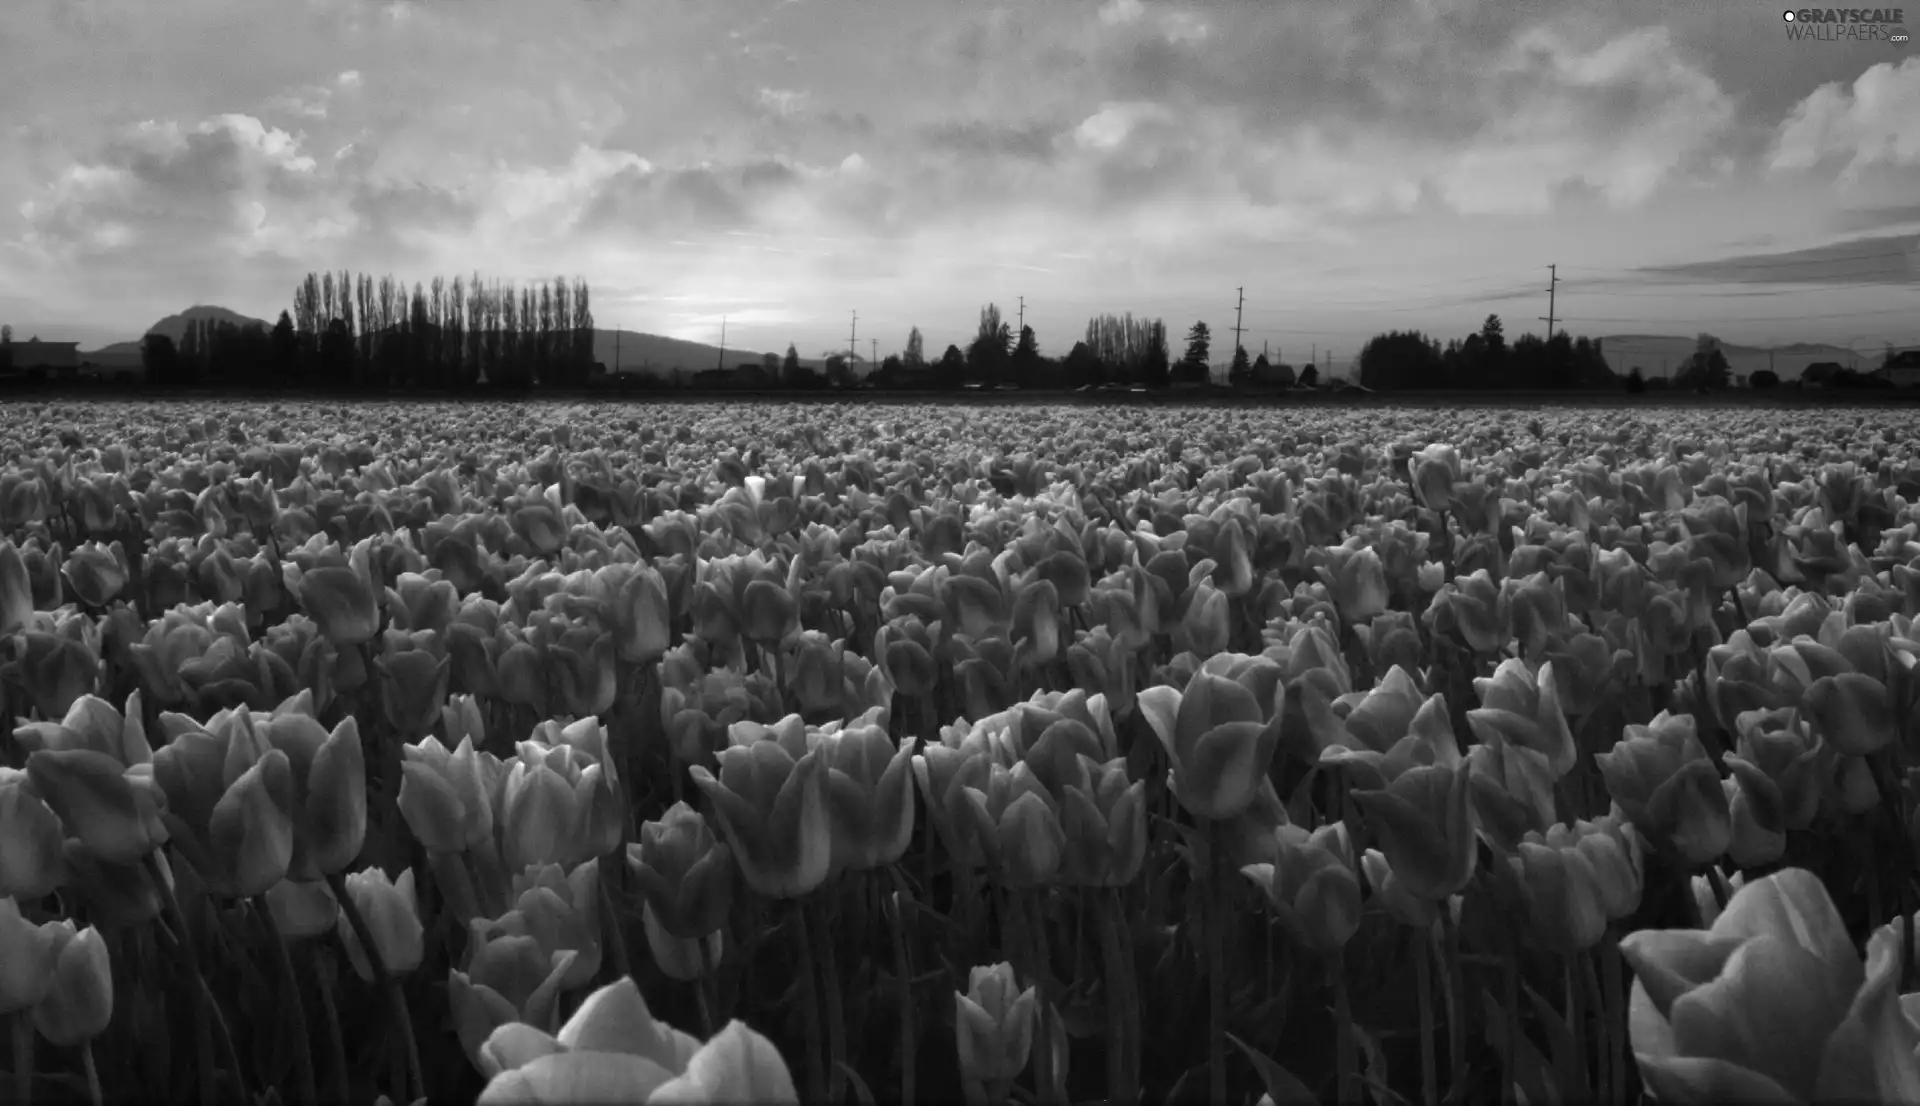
783,163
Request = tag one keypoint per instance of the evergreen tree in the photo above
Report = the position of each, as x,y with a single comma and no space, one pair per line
1194,367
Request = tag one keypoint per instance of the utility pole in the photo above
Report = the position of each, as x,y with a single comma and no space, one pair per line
1023,312
1315,359
723,344
853,343
616,349
873,344
1236,319
1263,347
1553,281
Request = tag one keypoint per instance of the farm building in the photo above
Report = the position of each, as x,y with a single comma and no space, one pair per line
1902,370
33,355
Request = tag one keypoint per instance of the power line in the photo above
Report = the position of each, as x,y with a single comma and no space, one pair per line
1236,320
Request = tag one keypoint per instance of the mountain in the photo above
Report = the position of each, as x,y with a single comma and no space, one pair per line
632,351
1657,354
175,326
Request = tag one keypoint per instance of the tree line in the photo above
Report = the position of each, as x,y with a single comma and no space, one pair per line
351,332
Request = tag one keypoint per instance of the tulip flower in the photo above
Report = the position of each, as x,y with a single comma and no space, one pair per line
1204,630
993,1027
1562,891
1392,639
28,965
771,805
561,801
94,770
1758,1007
612,1050
302,909
1219,737
16,591
1406,907
342,599
329,787
233,793
1612,846
1358,580
558,909
686,879
1103,819
32,860
1470,609
1313,886
1423,818
1852,712
1521,708
961,759
1435,469
1706,900
392,914
447,798
869,791
509,978
413,685
97,573
79,1002
1661,777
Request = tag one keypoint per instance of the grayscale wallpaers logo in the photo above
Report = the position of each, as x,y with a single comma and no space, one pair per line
1847,24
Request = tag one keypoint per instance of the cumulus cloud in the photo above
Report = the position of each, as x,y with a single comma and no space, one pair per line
1876,122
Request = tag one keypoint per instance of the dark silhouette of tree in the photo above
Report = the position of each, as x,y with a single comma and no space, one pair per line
160,360
1240,372
286,349
790,367
1194,364
1024,363
1402,359
6,334
1081,368
987,358
1156,372
953,368
336,354
1310,376
1763,380
916,354
770,364
1707,368
1636,383
838,374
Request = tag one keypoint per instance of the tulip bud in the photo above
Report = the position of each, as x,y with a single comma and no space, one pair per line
1312,887
1423,820
413,687
1219,738
302,910
79,1003
16,591
773,812
993,1027
1852,712
1563,895
392,915
32,861
116,818
27,962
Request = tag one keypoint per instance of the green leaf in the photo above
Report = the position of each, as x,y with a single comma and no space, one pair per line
1522,1061
1282,1085
1573,1081
861,1092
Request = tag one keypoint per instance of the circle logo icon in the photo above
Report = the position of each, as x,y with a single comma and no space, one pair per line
1788,16
1898,34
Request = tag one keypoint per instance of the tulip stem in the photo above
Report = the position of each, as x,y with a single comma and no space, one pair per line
203,1015
92,1072
1456,1005
1122,1015
1028,942
396,998
1603,1086
903,969
336,1044
1576,1021
22,1032
616,934
1612,980
810,979
1218,905
295,1009
1344,1058
1423,984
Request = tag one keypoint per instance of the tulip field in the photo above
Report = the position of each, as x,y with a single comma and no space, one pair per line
864,753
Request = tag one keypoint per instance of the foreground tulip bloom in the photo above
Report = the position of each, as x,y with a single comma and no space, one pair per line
1314,887
27,964
79,1003
447,797
509,978
1424,821
1562,891
612,1050
1017,822
392,914
1762,1005
342,599
993,1027
1661,777
685,873
32,860
329,787
772,808
1219,737
869,789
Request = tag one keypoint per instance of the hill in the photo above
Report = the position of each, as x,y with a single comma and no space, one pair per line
1656,354
175,326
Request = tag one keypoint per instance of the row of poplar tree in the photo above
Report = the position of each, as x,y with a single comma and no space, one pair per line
350,331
